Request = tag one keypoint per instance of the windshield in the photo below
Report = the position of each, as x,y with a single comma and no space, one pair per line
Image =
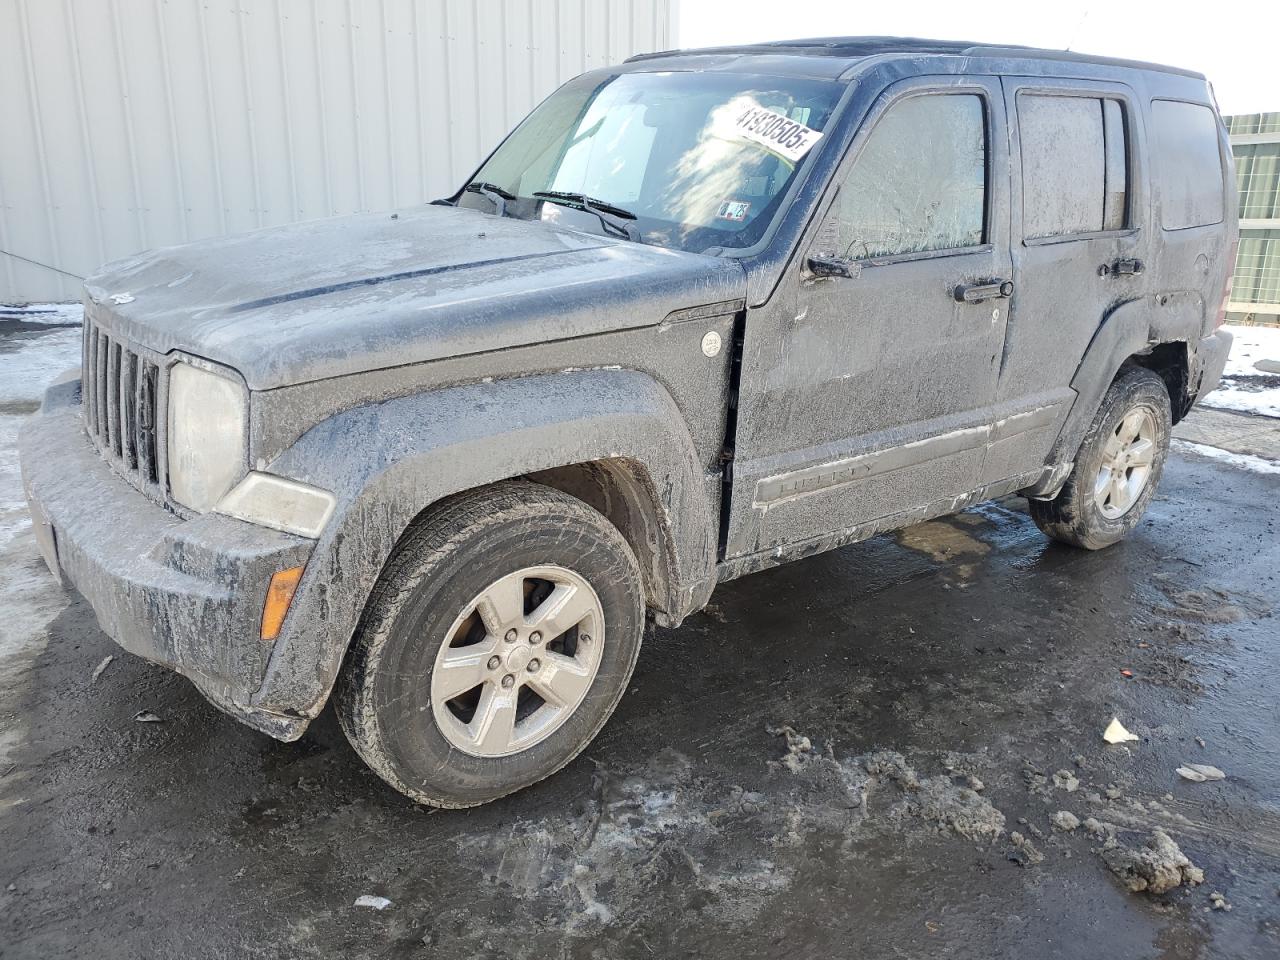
699,160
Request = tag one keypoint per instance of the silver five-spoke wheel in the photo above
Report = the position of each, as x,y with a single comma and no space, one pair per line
1127,460
517,661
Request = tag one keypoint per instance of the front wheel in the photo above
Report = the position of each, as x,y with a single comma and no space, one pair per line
497,643
1118,466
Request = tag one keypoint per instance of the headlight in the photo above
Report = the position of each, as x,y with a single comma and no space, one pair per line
208,422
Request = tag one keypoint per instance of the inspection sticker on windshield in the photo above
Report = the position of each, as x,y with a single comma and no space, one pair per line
735,210
774,131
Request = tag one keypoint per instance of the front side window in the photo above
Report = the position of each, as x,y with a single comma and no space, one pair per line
919,182
699,160
1074,165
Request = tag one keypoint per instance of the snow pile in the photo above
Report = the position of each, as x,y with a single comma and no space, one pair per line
939,801
1244,386
1156,867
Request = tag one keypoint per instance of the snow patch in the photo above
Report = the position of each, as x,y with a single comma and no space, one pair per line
1249,344
1245,461
1244,387
56,314
29,361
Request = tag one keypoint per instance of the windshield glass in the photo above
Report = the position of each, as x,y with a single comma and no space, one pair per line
700,159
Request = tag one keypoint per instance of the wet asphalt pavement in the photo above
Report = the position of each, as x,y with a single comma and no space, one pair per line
831,761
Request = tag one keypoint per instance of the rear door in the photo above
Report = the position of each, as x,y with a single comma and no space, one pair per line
1079,244
866,399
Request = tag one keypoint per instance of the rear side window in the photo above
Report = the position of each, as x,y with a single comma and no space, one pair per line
1187,164
919,182
1075,165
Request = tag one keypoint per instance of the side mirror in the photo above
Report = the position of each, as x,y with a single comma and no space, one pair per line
832,267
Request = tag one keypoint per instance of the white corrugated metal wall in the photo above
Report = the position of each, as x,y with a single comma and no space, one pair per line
128,124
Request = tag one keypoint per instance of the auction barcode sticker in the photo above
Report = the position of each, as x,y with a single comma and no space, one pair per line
772,130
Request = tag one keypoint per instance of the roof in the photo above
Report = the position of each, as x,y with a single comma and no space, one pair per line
852,49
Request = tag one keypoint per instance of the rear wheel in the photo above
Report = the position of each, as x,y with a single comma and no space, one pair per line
497,643
1117,468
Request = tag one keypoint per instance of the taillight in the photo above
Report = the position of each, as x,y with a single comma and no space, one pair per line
1226,286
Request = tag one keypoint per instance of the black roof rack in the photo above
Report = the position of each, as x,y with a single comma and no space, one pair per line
855,48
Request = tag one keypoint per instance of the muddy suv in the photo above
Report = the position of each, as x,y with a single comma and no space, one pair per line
698,315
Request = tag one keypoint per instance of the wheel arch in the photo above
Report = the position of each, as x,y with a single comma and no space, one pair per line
614,439
1160,333
623,490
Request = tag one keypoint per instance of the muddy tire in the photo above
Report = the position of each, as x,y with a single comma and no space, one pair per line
1117,468
497,642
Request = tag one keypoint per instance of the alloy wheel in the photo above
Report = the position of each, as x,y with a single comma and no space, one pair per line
517,661
1127,460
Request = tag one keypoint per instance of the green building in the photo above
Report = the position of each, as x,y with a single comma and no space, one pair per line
1255,288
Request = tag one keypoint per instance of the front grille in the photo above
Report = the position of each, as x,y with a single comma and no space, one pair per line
118,393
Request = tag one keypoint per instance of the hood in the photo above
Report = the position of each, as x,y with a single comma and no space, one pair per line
332,297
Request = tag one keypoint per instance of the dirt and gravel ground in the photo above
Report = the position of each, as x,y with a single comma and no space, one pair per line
876,752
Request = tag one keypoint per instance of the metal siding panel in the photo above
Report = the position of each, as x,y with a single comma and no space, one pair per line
133,123
43,246
464,81
251,134
175,155
230,105
78,200
402,77
194,141
435,127
339,113
160,199
484,36
304,105
269,120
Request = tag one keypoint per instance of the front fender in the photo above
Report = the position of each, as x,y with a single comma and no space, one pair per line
387,462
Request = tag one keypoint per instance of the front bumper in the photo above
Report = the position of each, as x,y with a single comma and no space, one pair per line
187,594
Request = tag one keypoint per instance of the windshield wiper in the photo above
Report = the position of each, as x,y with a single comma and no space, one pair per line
620,220
493,193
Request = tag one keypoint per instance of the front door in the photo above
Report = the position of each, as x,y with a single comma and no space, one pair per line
868,399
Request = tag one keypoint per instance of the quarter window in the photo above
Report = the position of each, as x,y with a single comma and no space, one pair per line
1188,164
1075,165
919,182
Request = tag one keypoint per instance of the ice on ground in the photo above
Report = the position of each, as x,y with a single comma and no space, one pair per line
30,360
1156,867
1245,461
13,505
56,314
1244,387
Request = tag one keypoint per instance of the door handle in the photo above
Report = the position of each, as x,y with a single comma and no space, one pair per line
986,290
1124,267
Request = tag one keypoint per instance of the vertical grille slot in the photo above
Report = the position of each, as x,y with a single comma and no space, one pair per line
118,393
148,379
129,409
100,385
113,397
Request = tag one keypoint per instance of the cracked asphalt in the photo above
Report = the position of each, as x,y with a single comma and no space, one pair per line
833,760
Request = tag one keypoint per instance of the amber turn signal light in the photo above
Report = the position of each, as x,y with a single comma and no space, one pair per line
279,596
